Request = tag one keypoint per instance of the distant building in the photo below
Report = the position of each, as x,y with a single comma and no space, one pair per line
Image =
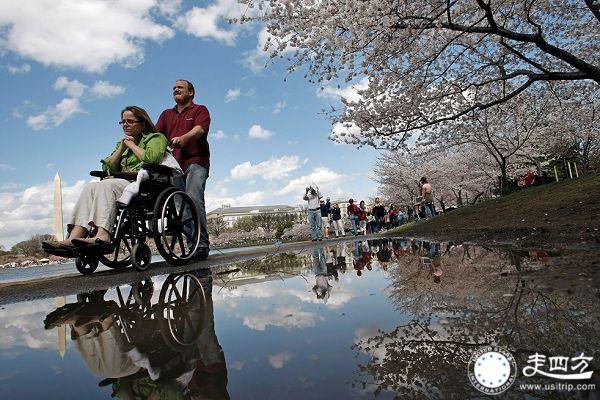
231,214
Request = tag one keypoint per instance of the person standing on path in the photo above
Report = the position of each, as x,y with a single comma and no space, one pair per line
325,215
353,211
312,195
186,127
338,224
379,213
427,195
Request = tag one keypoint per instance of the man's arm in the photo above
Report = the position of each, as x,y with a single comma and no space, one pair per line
193,135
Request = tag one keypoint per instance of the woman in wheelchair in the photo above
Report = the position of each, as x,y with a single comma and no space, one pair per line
95,212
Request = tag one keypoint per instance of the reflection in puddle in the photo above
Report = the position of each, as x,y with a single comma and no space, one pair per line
145,349
357,319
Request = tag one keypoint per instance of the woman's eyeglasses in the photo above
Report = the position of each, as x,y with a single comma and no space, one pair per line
128,122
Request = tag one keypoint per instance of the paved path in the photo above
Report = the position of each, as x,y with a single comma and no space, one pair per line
63,280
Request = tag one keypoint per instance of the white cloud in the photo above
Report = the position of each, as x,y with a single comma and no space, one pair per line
275,168
31,211
106,90
50,165
279,106
8,186
278,360
285,317
216,200
211,22
169,7
258,132
325,178
256,59
232,94
55,115
342,133
88,34
6,167
23,69
21,326
350,93
72,88
218,135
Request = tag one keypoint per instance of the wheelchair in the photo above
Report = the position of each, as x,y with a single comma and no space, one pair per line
160,211
165,332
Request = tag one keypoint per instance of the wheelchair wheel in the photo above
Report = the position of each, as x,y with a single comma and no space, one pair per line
142,291
182,315
120,257
141,256
176,225
86,264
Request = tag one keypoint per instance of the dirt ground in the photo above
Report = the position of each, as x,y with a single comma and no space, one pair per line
561,218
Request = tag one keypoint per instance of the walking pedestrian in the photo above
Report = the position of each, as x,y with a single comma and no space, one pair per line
186,127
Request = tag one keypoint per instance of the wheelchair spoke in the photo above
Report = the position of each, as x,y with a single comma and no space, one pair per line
177,294
127,244
173,242
181,243
181,207
185,288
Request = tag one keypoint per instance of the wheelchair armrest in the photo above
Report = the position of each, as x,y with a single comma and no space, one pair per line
130,176
99,174
159,169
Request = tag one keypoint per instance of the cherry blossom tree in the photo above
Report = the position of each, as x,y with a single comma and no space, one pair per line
576,137
458,177
431,61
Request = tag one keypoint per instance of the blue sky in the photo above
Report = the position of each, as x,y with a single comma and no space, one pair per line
68,67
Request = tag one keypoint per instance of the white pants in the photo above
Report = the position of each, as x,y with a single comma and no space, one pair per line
339,227
97,204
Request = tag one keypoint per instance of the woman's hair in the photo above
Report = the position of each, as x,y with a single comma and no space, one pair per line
361,202
142,116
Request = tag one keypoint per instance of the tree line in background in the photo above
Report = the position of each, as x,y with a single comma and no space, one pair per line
470,93
271,223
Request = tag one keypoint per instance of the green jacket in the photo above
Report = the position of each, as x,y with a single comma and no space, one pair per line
154,145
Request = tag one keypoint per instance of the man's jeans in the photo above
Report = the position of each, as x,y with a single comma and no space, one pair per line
353,222
429,210
194,183
314,219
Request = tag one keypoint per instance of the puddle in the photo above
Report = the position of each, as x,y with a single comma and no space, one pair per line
383,318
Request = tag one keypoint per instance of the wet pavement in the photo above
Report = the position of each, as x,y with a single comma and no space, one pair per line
379,318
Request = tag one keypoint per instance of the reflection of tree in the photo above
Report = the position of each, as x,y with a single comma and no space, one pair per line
484,299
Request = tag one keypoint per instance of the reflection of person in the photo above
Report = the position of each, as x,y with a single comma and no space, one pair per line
96,208
312,196
101,343
186,126
340,256
322,288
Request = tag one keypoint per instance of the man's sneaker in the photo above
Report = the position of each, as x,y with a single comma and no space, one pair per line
201,254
